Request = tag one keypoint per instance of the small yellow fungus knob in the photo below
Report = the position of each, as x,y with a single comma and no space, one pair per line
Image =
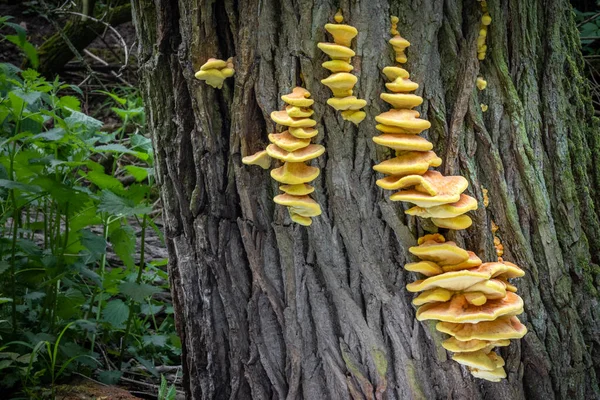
484,107
486,19
339,18
481,83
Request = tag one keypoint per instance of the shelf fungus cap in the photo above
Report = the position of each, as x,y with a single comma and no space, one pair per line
493,289
472,262
340,81
298,112
493,376
356,117
342,34
212,77
301,205
502,328
412,162
282,118
287,141
260,158
299,97
436,295
454,281
303,133
446,253
503,269
456,223
213,63
402,100
336,51
400,85
425,200
465,204
300,219
337,66
305,154
403,142
399,42
456,346
300,189
431,237
406,119
346,103
294,173
477,359
430,182
513,271
393,73
427,268
460,310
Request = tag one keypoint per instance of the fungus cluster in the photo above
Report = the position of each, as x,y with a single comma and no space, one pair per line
474,302
341,81
215,71
486,20
293,146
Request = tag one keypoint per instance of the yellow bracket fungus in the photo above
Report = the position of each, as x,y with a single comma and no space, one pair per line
215,71
260,158
481,83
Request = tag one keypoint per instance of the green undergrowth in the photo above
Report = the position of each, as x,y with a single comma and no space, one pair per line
71,193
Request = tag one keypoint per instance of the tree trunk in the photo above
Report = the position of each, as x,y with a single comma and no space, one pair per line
269,309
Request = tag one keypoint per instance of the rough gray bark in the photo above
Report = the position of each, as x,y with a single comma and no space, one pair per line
268,309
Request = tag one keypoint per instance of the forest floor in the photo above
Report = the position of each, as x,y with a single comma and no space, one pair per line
106,49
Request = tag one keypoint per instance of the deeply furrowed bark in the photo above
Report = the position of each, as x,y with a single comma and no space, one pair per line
269,309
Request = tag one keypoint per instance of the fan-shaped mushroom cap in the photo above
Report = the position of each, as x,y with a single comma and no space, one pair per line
393,73
340,82
288,142
300,219
403,142
260,158
424,199
446,253
472,262
412,162
337,66
336,51
456,346
509,287
213,63
402,100
294,173
492,289
353,116
502,328
300,189
503,269
346,103
475,298
433,296
406,119
400,85
427,268
459,310
342,34
227,72
478,360
298,112
399,42
493,376
303,133
435,237
307,153
464,204
431,182
456,223
513,271
299,97
301,205
455,281
282,118
213,77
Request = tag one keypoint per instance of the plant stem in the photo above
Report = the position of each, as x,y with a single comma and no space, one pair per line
102,268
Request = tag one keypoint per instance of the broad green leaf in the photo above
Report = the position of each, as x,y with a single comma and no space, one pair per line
70,102
103,181
109,377
117,205
34,295
79,119
116,98
5,364
123,244
4,300
155,340
94,243
138,173
120,149
138,291
150,309
7,184
116,313
51,134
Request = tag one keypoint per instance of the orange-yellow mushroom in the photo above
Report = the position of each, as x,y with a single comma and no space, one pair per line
260,158
294,173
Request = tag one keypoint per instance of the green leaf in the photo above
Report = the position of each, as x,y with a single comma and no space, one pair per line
102,180
138,291
4,266
138,173
7,184
5,364
4,300
150,309
155,340
70,102
79,119
51,135
94,243
116,313
109,377
149,366
34,295
117,205
120,149
116,98
123,244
